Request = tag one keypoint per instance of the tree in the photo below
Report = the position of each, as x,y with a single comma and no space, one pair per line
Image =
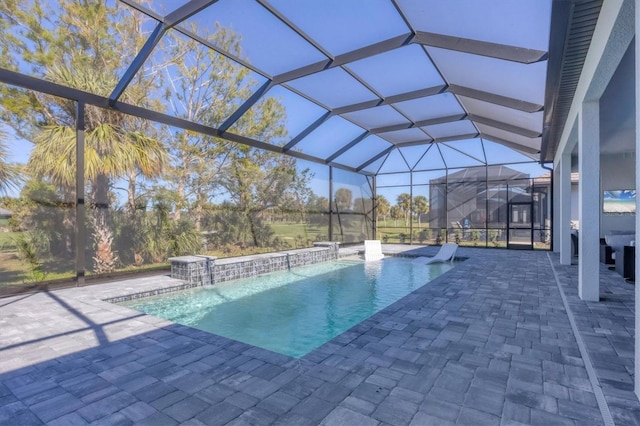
404,203
382,207
420,206
318,208
257,181
317,204
207,88
396,213
113,150
363,205
10,174
343,199
80,45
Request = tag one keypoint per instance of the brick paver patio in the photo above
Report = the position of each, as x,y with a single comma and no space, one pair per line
487,343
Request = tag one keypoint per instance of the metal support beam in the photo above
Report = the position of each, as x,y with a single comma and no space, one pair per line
564,225
186,11
364,52
440,120
20,80
306,132
286,21
137,63
347,147
510,144
456,137
245,106
410,208
414,143
374,214
330,203
482,48
504,126
80,206
495,99
375,158
171,20
416,94
373,49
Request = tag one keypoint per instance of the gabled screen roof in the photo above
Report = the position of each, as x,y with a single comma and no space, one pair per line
358,80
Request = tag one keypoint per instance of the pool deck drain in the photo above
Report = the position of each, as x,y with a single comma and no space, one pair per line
488,342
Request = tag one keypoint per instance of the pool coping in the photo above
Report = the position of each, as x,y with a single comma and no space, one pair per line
181,285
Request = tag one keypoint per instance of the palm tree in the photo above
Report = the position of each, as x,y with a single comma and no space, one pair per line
420,206
382,208
114,148
83,45
343,199
404,203
10,176
396,213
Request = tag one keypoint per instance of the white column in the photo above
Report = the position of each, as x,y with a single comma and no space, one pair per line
589,201
564,200
637,259
556,208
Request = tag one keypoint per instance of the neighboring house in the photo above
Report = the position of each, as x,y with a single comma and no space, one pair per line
482,196
5,214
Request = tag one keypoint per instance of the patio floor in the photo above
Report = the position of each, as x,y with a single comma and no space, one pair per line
487,343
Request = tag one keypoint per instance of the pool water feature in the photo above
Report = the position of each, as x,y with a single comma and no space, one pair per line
293,312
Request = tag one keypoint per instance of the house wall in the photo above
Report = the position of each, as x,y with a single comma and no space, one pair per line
617,139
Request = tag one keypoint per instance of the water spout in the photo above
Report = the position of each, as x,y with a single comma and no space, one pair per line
209,273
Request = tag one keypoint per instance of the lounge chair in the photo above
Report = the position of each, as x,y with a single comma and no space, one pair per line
447,253
372,250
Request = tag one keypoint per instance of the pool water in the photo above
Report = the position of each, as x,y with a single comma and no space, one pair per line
293,312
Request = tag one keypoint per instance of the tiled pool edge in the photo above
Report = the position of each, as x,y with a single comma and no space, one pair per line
234,268
149,293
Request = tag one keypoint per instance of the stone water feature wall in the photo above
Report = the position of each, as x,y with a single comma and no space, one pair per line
193,269
207,270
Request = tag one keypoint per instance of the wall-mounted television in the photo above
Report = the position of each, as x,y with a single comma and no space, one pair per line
621,201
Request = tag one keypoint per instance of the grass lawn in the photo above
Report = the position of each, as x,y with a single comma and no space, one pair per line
15,271
296,230
7,242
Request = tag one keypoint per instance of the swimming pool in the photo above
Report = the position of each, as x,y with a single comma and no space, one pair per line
293,312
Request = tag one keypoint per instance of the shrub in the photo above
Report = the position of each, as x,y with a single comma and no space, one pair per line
30,250
424,235
475,236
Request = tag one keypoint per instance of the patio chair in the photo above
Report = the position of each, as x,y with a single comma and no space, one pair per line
447,253
372,250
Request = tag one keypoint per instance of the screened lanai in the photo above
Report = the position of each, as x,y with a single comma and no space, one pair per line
138,130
